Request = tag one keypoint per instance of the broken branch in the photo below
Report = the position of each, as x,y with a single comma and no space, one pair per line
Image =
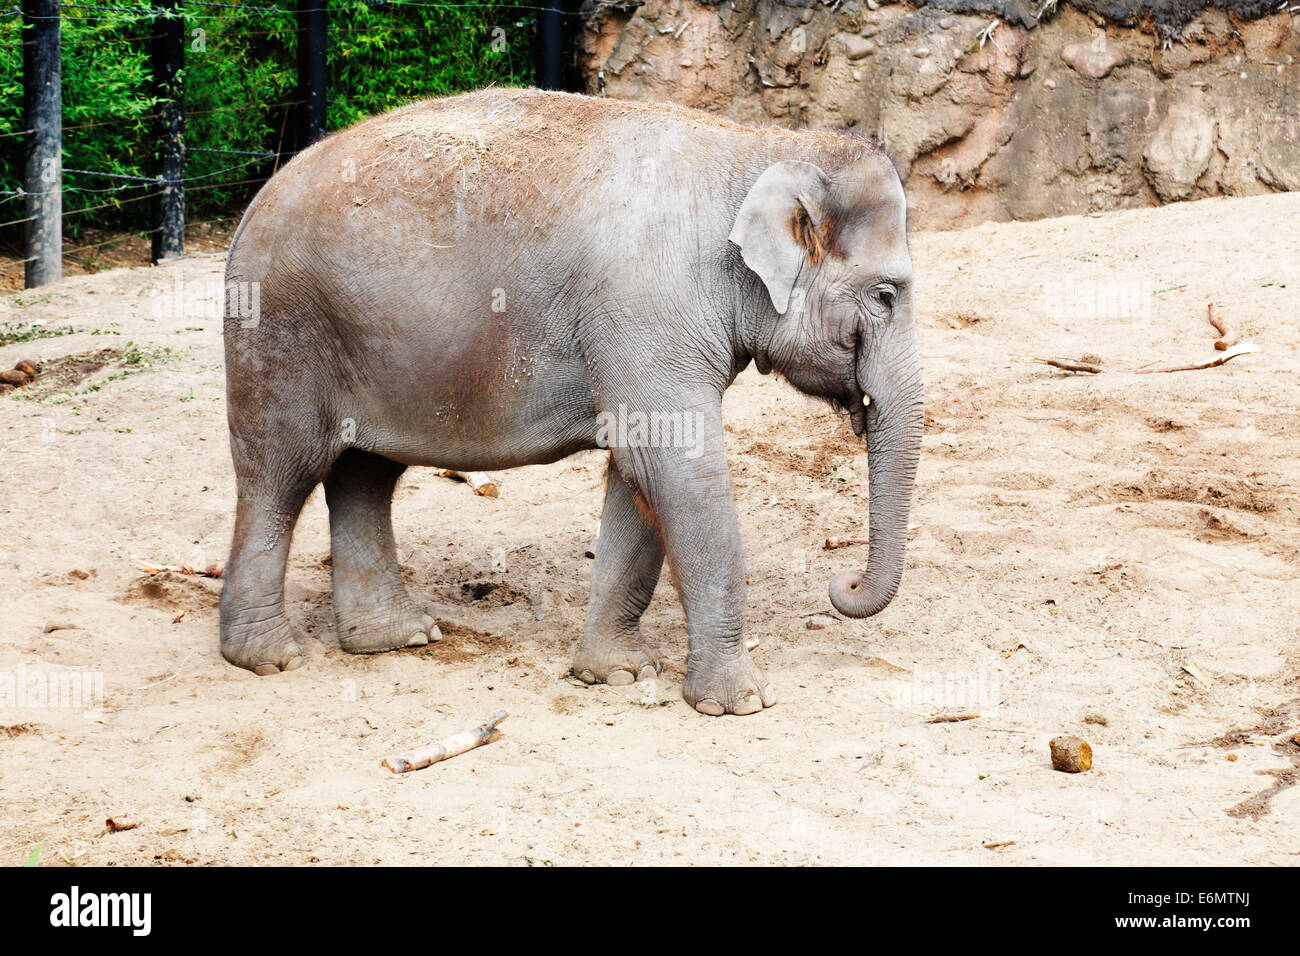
1244,349
481,482
1070,366
214,570
450,747
834,543
1227,336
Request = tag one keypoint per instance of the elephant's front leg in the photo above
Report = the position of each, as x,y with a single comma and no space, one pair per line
688,490
629,557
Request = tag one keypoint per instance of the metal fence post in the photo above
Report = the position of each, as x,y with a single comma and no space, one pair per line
43,120
168,59
312,29
550,46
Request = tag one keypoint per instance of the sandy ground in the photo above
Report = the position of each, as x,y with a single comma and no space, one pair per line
1078,540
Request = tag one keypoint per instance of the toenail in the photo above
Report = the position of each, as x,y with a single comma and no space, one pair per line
620,678
266,670
587,677
294,664
710,707
418,639
647,673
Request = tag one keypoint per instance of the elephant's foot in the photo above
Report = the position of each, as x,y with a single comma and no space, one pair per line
618,661
377,628
728,684
264,647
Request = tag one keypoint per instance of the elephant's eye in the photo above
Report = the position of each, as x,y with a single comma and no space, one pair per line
886,294
879,300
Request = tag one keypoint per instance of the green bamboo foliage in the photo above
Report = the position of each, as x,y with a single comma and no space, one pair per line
240,79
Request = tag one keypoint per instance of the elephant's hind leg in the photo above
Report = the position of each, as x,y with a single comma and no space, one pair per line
629,558
255,634
373,610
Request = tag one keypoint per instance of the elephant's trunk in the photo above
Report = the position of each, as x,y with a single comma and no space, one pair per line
894,424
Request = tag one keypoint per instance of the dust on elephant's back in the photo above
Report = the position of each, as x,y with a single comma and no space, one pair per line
417,224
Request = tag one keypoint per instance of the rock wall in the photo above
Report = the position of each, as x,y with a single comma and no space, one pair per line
987,115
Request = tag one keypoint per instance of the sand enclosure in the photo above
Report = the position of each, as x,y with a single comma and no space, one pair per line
1114,556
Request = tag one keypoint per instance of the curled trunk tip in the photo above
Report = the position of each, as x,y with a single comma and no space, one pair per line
854,594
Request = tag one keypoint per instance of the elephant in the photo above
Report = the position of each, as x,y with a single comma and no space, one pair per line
493,279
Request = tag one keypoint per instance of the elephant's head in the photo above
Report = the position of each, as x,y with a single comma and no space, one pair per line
831,250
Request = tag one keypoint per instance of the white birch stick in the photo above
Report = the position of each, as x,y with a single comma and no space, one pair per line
450,747
481,482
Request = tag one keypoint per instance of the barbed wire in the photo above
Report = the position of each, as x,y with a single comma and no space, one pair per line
106,17
136,233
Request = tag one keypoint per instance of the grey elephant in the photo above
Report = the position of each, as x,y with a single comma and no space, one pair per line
499,279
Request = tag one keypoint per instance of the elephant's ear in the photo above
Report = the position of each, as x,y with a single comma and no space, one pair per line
780,226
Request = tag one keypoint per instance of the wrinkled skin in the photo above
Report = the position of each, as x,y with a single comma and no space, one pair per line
472,282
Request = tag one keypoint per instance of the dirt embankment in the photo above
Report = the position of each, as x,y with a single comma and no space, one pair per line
991,115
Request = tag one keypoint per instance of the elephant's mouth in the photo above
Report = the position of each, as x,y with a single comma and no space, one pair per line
856,405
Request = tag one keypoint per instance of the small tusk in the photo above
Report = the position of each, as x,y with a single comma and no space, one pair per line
866,400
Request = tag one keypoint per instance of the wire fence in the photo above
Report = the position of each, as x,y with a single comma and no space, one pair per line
240,61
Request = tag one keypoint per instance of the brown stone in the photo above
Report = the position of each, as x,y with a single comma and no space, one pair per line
856,47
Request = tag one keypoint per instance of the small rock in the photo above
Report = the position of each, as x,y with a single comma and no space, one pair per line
1049,84
869,30
921,52
813,625
1070,754
855,48
945,22
687,62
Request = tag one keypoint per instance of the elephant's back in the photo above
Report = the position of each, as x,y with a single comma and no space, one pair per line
503,154
421,174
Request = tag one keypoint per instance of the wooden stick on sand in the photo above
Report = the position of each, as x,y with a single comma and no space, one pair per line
836,542
952,716
1071,366
1245,348
450,747
482,483
1227,343
214,570
1228,337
